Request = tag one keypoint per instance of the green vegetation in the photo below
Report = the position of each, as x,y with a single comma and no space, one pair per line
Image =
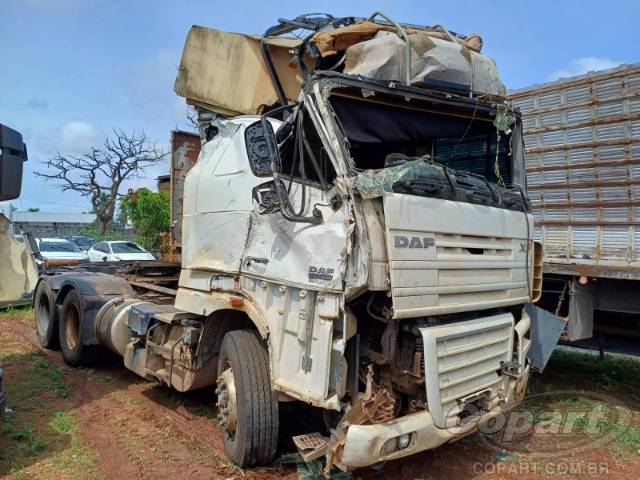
30,436
63,422
25,440
149,213
22,314
39,375
608,374
92,231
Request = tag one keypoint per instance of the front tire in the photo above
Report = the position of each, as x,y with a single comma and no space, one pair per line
74,352
45,316
247,406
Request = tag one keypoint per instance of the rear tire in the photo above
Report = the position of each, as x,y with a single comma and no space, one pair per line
74,352
45,316
254,439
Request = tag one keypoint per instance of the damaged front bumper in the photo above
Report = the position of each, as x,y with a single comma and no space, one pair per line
474,370
366,445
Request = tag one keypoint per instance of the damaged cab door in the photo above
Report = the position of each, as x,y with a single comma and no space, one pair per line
296,252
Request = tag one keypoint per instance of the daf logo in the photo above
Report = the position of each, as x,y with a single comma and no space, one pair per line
400,241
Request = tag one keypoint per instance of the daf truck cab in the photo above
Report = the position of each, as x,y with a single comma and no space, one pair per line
365,248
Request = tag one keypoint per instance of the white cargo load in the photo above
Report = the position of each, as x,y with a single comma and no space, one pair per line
582,139
226,72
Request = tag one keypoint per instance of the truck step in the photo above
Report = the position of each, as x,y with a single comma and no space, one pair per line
311,445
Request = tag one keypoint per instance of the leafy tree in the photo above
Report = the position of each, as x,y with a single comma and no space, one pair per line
149,213
99,173
33,209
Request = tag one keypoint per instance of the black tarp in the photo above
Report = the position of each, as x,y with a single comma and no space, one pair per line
374,123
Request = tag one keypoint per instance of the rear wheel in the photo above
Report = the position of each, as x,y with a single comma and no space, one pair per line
247,406
74,352
45,315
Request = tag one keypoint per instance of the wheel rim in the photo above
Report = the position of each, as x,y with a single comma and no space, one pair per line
72,327
227,405
42,315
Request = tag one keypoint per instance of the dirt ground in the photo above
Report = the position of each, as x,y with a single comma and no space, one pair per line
106,423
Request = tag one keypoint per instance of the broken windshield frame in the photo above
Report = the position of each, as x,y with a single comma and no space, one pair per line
457,133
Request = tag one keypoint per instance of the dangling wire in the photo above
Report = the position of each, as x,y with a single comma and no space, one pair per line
473,117
298,154
496,166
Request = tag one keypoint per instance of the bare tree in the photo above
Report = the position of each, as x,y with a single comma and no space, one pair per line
192,118
99,173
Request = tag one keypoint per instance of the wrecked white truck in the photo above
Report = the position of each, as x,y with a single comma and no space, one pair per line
18,273
18,270
356,236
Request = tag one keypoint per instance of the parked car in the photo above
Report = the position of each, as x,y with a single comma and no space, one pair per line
116,251
83,241
60,249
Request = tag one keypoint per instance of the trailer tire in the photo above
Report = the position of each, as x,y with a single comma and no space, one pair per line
70,324
46,317
254,439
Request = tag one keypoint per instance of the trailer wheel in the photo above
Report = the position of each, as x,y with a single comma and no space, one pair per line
74,352
45,315
247,406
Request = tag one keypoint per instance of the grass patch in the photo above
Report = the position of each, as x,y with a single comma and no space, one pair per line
22,314
63,422
628,442
38,375
607,374
25,441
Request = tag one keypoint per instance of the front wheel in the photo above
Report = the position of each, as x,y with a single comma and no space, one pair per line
247,406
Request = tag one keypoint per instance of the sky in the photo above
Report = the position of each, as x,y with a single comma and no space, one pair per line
73,70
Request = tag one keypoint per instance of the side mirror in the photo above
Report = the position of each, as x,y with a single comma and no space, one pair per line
13,153
266,196
262,148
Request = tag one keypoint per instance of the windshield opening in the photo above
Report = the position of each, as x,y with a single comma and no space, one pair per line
380,135
58,247
126,247
316,165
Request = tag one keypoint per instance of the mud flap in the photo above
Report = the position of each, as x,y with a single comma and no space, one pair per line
581,308
545,333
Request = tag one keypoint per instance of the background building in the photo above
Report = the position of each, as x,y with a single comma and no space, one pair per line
47,224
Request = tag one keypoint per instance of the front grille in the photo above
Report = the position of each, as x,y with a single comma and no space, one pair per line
464,359
447,257
467,270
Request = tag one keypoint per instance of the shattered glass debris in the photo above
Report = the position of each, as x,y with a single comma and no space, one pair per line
378,182
504,119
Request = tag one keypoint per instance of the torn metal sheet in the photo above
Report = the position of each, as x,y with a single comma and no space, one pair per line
545,333
18,270
224,71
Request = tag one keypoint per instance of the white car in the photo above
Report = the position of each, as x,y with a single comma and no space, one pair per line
60,249
118,251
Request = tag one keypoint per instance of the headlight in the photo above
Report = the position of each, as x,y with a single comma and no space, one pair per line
397,443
